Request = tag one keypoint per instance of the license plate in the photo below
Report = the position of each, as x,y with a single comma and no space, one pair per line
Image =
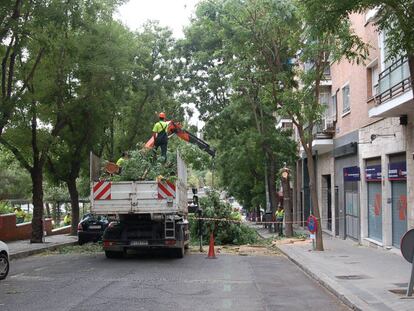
94,227
138,243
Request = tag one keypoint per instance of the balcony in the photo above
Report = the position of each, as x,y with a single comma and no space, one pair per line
284,124
323,136
395,97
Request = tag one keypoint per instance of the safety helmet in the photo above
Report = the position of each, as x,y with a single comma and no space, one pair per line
162,115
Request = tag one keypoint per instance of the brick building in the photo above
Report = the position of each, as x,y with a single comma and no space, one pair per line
364,147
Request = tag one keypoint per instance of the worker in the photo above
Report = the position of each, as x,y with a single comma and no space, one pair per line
280,214
160,135
121,161
20,215
67,220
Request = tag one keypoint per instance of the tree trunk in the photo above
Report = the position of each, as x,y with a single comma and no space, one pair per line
37,192
314,197
287,200
74,200
47,205
272,186
55,212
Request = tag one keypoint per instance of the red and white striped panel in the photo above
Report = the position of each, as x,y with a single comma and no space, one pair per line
166,190
102,190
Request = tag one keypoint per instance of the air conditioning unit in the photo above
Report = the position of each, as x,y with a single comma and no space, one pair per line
329,125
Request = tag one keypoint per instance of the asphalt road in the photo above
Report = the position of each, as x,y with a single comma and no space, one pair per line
92,282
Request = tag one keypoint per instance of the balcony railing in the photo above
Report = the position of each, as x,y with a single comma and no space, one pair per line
323,130
393,81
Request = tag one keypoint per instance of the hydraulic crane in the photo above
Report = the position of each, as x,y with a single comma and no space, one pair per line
177,129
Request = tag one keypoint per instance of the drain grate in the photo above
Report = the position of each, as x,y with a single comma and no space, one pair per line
351,277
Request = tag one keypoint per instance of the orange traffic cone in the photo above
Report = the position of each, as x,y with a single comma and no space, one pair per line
211,253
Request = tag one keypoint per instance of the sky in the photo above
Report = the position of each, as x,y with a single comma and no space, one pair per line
172,13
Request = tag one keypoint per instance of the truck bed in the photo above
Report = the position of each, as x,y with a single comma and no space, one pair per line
141,197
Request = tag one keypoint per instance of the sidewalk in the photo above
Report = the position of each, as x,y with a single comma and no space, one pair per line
360,276
23,248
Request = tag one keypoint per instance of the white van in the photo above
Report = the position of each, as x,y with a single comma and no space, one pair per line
4,260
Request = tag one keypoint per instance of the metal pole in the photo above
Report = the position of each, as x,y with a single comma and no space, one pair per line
411,284
200,231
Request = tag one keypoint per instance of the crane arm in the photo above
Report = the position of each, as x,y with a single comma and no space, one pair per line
185,135
176,128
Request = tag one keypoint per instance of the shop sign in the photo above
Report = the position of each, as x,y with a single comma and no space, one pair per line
352,173
397,171
373,173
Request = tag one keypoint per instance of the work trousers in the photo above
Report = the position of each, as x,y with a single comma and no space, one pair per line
163,147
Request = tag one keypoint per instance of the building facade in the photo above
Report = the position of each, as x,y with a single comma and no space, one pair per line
364,147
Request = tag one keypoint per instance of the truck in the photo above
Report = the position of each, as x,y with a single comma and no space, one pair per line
145,214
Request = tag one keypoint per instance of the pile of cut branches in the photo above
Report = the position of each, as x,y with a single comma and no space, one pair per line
143,165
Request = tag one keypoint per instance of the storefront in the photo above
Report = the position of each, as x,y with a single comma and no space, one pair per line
351,180
397,175
374,195
347,208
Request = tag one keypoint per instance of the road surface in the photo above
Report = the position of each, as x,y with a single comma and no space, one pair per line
92,282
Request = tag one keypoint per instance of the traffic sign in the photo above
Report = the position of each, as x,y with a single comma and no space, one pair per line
407,250
312,224
407,245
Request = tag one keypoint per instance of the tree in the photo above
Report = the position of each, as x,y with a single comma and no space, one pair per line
41,113
319,48
14,181
91,108
152,88
225,81
393,17
17,27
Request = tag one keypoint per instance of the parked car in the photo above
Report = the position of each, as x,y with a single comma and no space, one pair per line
4,260
91,228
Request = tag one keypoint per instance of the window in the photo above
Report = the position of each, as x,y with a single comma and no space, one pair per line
374,80
346,106
334,104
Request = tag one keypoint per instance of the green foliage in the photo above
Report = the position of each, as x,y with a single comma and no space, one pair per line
394,17
15,181
227,52
224,232
142,165
5,208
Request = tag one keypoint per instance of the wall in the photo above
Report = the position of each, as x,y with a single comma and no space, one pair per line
9,231
382,147
325,166
344,72
340,163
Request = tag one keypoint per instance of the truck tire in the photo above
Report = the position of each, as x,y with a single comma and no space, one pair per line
112,254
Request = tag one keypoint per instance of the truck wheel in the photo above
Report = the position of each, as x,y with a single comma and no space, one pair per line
112,254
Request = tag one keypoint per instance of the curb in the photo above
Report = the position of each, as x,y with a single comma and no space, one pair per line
27,253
